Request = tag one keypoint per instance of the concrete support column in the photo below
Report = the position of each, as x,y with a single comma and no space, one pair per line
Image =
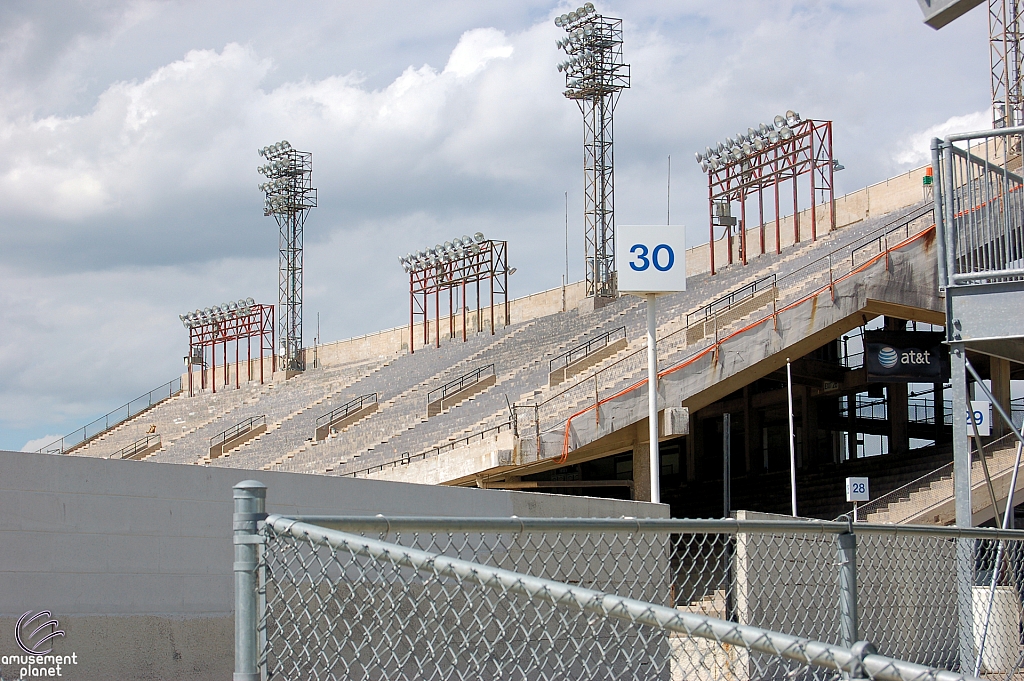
693,446
642,463
851,426
800,405
899,415
812,449
699,467
755,439
748,444
999,372
896,399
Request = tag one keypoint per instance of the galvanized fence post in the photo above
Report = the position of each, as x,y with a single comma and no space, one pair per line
848,588
250,508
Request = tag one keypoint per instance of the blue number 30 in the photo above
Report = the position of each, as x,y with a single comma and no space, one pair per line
643,262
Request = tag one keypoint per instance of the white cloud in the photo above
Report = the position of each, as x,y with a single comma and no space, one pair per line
128,138
475,49
38,443
915,150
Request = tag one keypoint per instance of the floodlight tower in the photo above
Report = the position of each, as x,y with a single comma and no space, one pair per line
1004,24
594,76
289,196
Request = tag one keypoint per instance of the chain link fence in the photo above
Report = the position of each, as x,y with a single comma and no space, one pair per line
443,598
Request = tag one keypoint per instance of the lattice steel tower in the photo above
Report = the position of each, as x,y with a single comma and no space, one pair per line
289,196
594,76
1004,25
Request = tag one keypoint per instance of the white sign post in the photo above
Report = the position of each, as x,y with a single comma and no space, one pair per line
651,260
857,490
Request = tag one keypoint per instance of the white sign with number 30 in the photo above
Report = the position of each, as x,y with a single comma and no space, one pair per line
650,259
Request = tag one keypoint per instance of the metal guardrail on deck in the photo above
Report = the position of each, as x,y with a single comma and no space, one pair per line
583,349
138,446
725,302
350,407
408,458
237,429
113,418
455,385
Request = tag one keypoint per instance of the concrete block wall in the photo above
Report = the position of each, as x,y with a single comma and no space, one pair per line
135,560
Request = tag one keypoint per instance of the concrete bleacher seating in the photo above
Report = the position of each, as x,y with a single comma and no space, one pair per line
520,354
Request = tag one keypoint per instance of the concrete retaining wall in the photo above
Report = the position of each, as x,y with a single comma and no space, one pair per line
135,559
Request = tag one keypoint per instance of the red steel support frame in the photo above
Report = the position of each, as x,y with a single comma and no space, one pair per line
808,152
258,324
491,264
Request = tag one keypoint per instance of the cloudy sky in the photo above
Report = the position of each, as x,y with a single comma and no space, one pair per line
128,137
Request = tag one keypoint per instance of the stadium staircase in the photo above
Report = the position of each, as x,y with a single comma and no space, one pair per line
929,500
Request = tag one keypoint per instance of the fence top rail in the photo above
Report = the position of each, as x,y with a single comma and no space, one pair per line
862,658
981,134
637,525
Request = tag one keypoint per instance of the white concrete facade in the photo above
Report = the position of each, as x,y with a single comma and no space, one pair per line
135,560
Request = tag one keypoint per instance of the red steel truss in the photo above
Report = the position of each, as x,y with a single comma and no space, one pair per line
489,265
807,152
258,325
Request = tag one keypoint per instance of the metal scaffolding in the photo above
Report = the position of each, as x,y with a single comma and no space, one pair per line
213,328
289,196
452,268
1007,61
742,169
594,76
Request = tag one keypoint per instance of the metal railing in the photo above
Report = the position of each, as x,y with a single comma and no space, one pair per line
457,384
134,448
725,302
330,597
237,429
920,411
818,277
583,349
942,472
353,405
113,418
982,207
408,458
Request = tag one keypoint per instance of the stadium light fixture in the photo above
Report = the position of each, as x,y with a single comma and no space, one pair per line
458,248
748,144
218,313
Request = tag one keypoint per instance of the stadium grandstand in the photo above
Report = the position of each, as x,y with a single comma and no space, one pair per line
555,400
